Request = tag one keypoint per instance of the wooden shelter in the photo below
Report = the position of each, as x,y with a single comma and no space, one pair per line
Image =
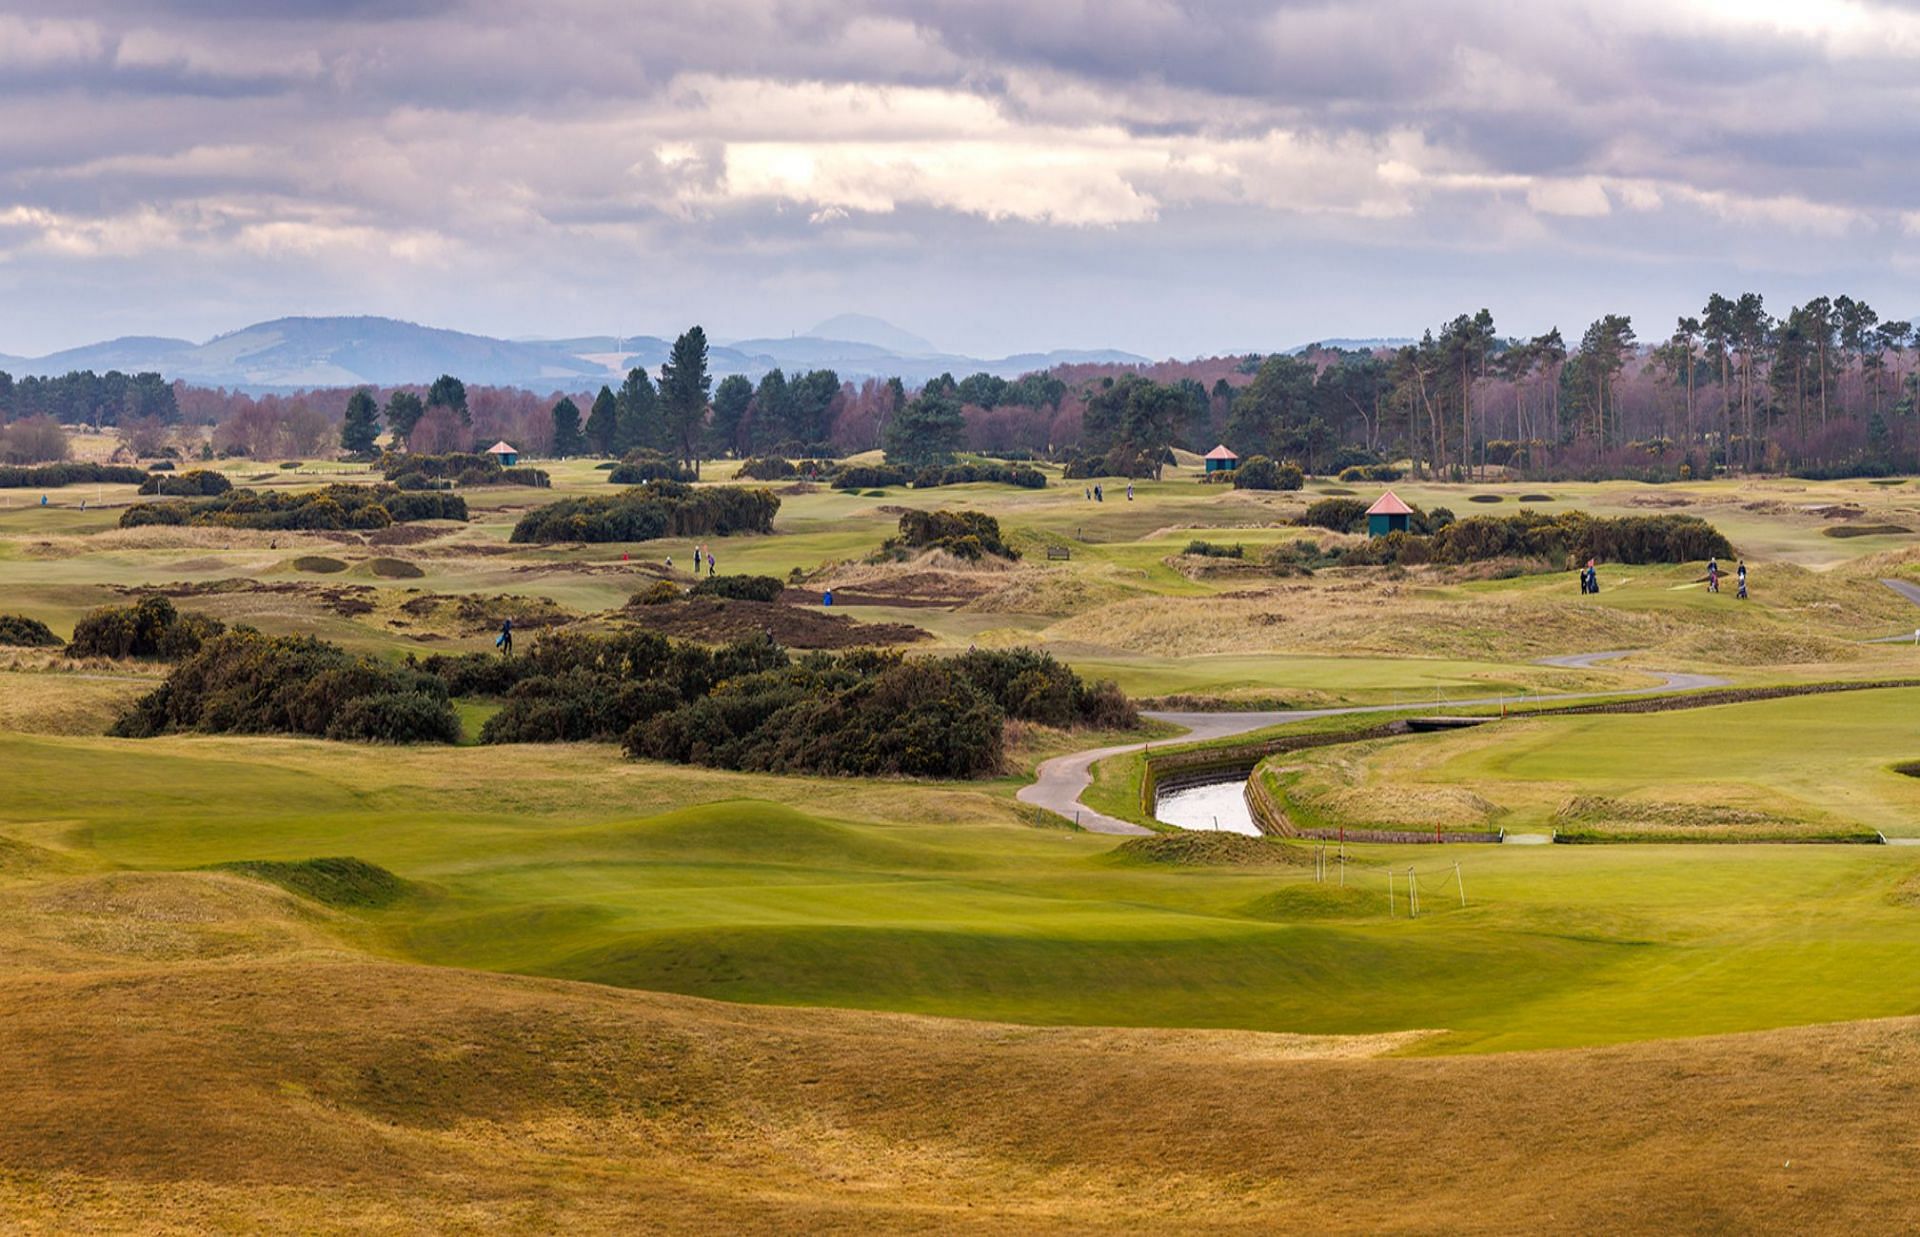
1388,515
1222,460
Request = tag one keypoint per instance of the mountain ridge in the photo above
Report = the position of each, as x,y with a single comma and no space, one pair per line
306,352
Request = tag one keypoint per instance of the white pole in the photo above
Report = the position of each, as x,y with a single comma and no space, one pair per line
1462,883
1389,893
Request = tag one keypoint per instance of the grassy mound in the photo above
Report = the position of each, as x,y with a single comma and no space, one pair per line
394,569
1200,848
342,882
1598,818
318,564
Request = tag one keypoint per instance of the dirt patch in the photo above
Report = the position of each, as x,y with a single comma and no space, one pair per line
1655,500
715,620
1866,530
348,600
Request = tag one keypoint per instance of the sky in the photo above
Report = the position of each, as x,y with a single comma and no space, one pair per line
1171,177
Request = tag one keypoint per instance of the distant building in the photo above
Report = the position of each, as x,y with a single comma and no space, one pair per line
1389,515
1222,460
505,452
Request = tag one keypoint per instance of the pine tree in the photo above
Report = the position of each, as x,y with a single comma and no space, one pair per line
927,431
636,414
567,439
602,421
684,383
404,411
449,392
360,429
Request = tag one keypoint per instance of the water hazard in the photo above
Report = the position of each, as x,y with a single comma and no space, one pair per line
1217,805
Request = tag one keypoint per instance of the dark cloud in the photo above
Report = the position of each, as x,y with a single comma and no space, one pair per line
1007,169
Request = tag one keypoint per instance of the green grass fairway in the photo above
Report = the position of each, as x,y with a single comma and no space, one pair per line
571,862
1812,764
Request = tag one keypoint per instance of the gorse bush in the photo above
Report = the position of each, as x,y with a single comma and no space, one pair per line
749,705
640,466
739,588
333,508
1370,472
964,474
1207,549
151,627
768,468
1574,536
419,472
53,476
1339,515
198,483
19,631
244,682
870,477
658,509
965,534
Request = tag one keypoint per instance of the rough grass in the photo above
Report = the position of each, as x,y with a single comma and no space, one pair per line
1202,849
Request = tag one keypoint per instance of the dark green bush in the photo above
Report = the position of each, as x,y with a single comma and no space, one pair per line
658,509
244,682
870,476
641,466
963,474
20,631
1207,549
967,534
1256,472
1370,472
768,468
1339,515
739,588
151,627
333,508
199,483
53,476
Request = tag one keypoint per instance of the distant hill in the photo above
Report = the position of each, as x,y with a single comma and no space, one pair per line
866,329
289,354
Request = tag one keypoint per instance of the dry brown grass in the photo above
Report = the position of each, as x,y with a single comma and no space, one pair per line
47,701
191,1086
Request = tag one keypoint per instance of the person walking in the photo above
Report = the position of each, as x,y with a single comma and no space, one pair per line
1129,491
1741,592
504,641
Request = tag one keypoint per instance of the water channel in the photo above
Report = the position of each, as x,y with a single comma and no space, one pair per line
1214,805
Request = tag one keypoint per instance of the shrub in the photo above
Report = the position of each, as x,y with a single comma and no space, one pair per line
464,467
160,466
333,508
963,474
768,468
1339,515
658,509
151,627
53,476
396,717
244,682
739,588
659,593
20,631
1370,472
870,476
1207,549
641,466
966,534
1256,472
198,483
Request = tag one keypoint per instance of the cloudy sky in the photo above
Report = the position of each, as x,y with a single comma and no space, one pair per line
1168,176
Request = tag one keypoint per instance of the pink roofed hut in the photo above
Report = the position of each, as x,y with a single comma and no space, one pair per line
1388,515
1222,460
505,453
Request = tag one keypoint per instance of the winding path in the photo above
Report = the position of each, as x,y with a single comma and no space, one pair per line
1059,783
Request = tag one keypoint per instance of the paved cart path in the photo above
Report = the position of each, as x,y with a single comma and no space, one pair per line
1059,782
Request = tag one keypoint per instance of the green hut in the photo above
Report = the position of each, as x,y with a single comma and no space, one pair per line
1222,460
1388,515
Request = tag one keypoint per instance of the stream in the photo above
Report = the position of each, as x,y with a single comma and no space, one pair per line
1216,805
